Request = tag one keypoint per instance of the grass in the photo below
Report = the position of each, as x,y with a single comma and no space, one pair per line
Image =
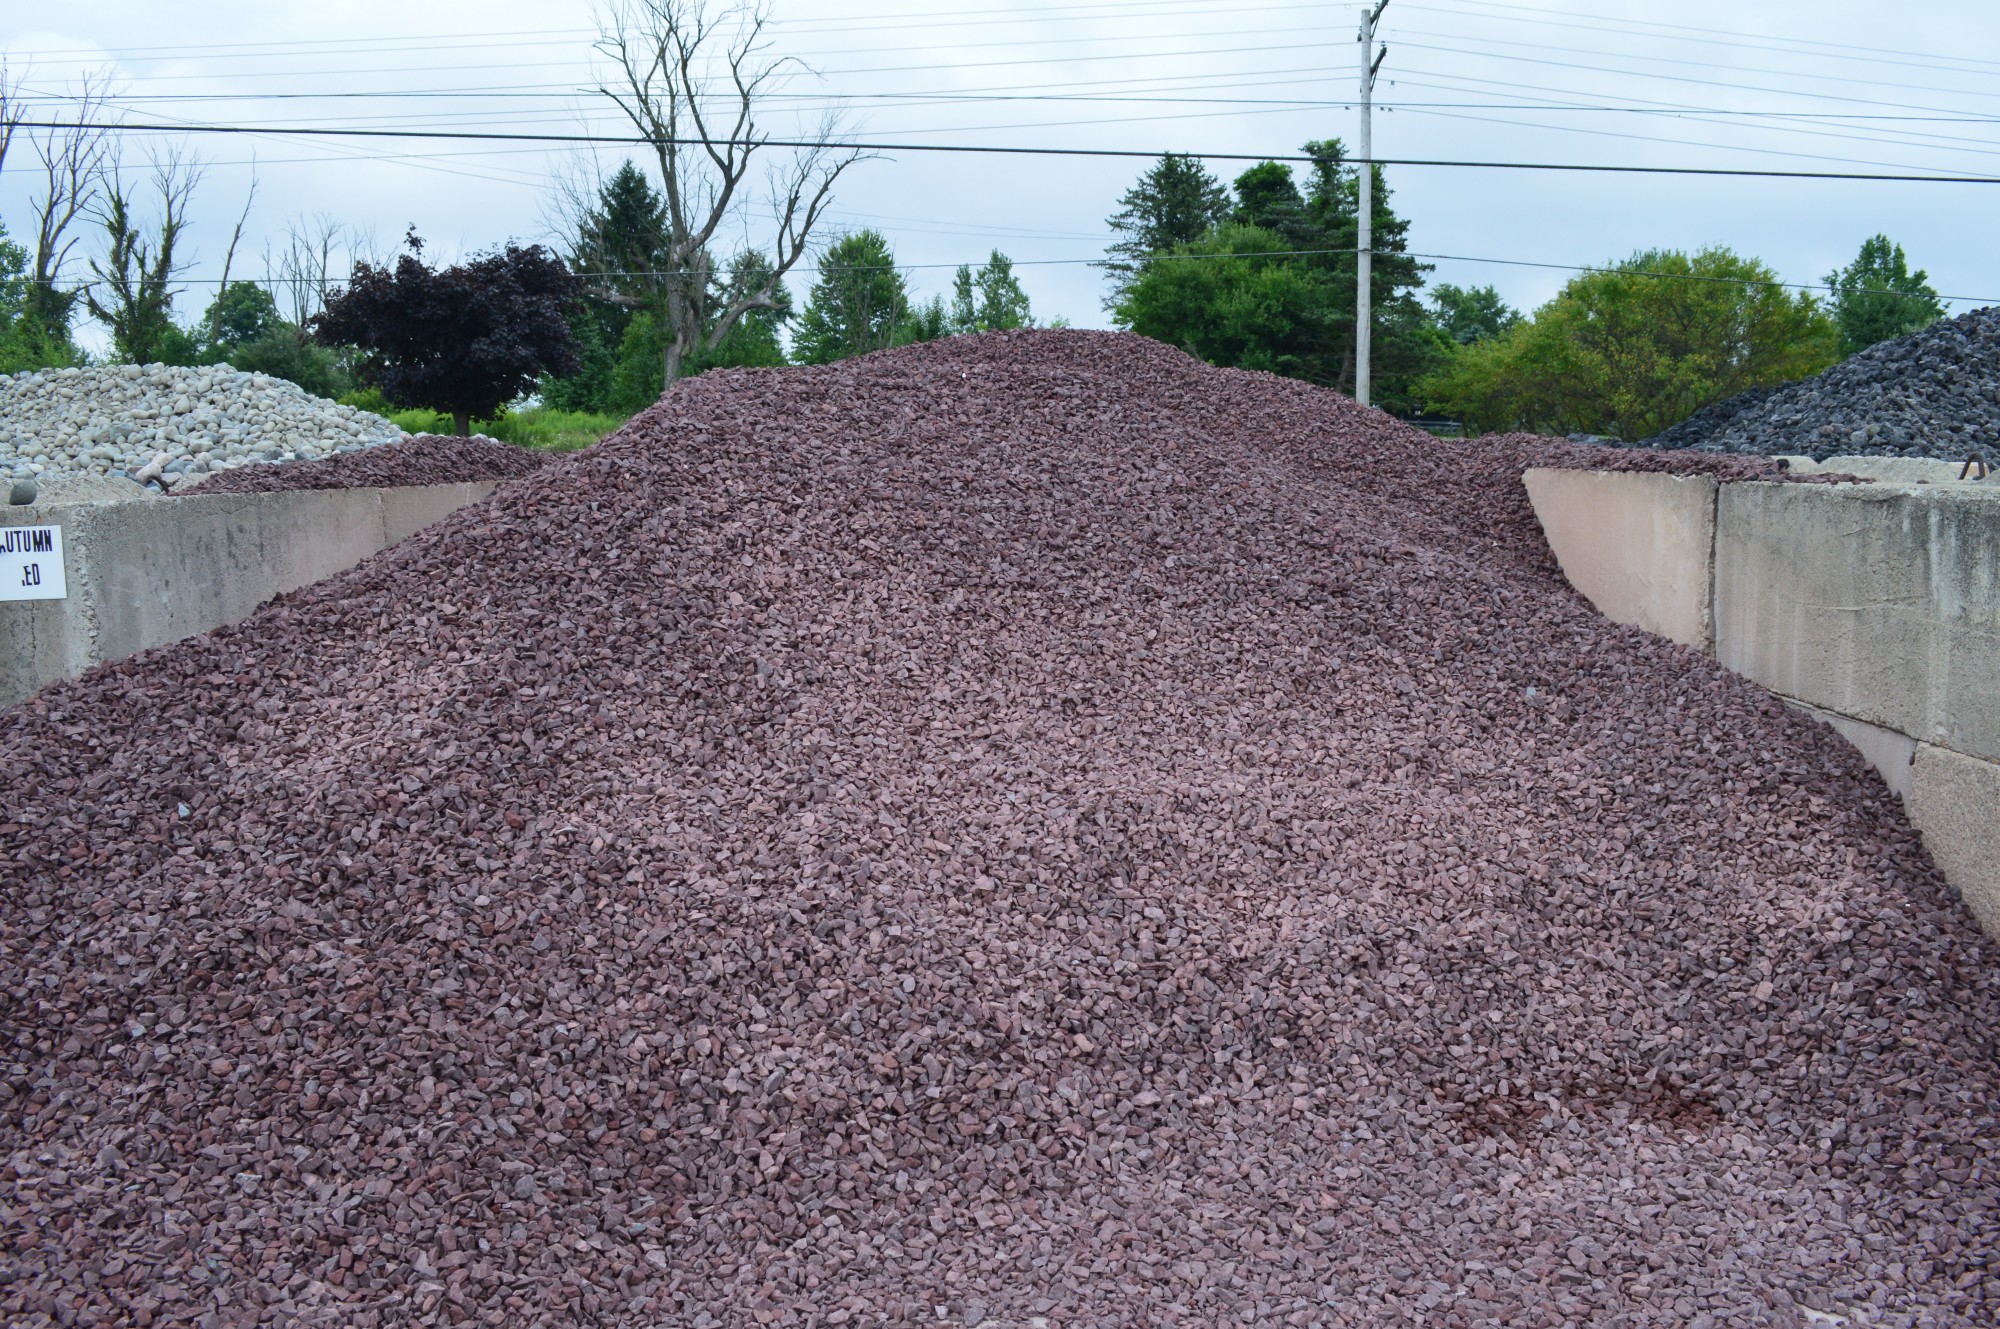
538,427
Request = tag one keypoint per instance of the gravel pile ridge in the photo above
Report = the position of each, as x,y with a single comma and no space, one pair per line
1023,829
1933,393
420,459
162,422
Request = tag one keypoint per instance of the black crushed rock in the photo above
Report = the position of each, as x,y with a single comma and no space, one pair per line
1020,827
420,459
1933,393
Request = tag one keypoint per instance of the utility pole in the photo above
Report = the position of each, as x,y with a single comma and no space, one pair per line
1364,266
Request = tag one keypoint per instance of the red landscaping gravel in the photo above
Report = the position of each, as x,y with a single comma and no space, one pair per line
1019,829
421,459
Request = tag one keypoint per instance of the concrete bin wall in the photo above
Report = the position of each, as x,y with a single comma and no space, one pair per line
147,572
1637,546
1877,601
1875,607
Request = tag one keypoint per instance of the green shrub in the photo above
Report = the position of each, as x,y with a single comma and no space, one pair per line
541,428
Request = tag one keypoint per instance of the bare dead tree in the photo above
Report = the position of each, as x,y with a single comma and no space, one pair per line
73,159
690,81
229,261
303,272
12,111
140,264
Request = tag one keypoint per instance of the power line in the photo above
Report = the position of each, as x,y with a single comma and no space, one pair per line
947,98
1707,36
1001,150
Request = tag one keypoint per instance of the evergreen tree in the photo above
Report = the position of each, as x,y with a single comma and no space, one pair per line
1174,202
989,300
756,339
1877,297
621,245
1305,327
1268,198
859,304
926,322
619,252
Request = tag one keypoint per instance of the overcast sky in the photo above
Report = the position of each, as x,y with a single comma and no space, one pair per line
1780,84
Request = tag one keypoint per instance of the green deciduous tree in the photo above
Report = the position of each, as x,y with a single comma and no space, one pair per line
1175,202
756,340
71,156
1469,314
859,304
634,376
989,300
242,312
1877,297
1633,349
24,337
927,320
1233,298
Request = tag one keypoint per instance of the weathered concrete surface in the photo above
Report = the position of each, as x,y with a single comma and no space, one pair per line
1887,470
1955,801
1637,546
1874,601
1890,753
409,509
150,571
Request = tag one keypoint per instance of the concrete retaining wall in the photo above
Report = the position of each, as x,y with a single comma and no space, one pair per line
147,572
1874,606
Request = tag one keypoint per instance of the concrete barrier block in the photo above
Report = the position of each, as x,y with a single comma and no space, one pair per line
167,570
409,509
146,572
1955,802
1890,753
1637,546
1877,602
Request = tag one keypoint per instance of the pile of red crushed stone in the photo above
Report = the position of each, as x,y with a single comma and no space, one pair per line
1026,829
421,459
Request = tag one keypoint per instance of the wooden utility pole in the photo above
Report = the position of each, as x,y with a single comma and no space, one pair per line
1364,266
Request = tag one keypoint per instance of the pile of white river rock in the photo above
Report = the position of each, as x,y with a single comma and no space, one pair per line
164,426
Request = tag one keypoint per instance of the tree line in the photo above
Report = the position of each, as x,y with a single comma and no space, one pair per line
858,301
1262,276
637,290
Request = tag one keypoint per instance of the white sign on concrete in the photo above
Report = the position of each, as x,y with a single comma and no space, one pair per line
31,563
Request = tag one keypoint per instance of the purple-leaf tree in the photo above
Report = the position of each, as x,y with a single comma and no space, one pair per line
463,340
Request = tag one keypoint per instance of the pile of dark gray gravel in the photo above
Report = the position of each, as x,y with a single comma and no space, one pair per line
1934,393
1019,829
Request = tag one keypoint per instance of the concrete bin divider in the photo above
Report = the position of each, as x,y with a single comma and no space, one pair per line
146,572
1875,607
1880,602
1954,801
1638,546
